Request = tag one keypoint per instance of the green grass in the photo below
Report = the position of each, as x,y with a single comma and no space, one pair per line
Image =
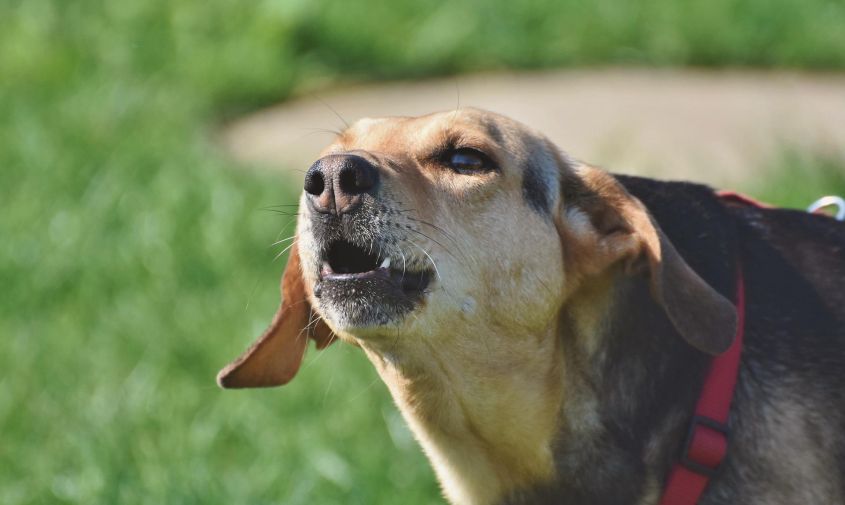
134,258
798,179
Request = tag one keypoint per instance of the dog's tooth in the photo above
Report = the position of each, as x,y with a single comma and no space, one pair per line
385,263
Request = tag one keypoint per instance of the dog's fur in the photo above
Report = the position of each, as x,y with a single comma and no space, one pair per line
560,351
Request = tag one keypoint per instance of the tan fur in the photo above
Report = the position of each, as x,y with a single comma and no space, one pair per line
481,387
485,431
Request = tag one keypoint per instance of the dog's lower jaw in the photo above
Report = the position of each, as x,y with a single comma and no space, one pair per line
485,432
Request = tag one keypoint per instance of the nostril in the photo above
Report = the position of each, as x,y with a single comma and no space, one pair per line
348,183
357,176
366,178
314,182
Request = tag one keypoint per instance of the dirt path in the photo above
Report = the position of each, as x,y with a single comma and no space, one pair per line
715,127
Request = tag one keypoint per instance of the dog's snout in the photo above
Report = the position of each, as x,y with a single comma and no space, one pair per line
334,184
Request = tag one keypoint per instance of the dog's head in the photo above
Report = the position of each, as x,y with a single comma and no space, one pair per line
444,229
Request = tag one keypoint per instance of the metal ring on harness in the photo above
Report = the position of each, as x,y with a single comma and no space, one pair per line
828,201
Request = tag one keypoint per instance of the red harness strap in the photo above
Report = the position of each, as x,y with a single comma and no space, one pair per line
733,196
707,439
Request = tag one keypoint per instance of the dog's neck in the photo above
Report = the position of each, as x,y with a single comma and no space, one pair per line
485,416
563,412
630,382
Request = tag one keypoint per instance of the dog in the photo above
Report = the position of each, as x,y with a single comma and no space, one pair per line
545,327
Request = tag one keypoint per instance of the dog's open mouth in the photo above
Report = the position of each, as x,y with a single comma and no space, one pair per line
360,288
346,262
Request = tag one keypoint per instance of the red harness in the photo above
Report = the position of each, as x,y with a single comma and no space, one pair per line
707,439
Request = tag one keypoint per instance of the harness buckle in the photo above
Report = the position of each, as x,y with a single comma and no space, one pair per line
705,456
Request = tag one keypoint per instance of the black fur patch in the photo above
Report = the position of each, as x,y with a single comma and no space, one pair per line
535,190
494,132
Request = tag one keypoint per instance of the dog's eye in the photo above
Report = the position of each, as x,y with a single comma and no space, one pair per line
468,161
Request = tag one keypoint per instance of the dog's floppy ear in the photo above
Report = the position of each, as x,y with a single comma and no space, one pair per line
274,358
610,226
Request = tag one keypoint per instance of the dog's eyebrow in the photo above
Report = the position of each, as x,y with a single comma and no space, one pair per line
456,139
494,132
539,180
444,144
534,189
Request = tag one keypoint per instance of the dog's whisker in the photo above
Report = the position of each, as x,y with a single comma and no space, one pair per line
366,388
251,295
303,333
446,233
329,386
281,212
446,249
469,260
466,261
336,113
282,240
435,227
286,225
433,264
316,131
320,355
284,250
333,131
441,230
312,320
466,257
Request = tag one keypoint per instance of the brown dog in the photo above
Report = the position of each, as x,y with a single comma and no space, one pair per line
544,327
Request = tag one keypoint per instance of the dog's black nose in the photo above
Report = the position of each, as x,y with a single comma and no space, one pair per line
335,183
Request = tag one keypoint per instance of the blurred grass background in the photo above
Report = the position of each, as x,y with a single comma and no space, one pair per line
135,258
